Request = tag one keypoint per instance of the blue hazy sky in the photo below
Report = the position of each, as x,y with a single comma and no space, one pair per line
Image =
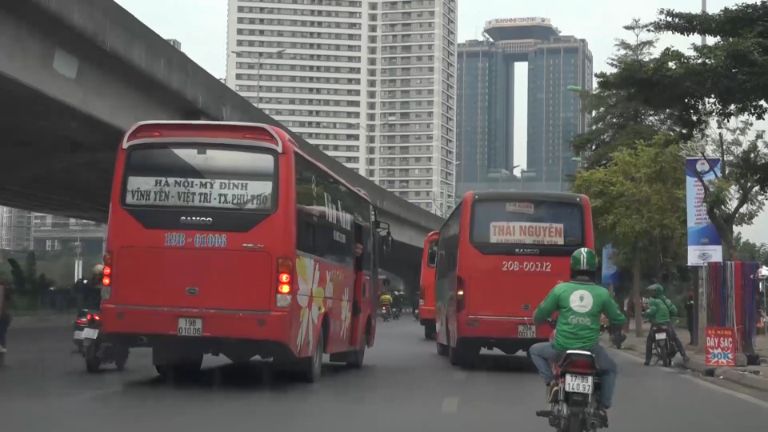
201,27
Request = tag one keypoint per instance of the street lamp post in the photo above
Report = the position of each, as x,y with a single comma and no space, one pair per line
258,69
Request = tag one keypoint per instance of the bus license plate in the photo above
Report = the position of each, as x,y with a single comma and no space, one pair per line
526,331
190,327
578,384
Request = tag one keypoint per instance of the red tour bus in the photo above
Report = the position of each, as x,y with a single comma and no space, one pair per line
427,285
226,238
499,255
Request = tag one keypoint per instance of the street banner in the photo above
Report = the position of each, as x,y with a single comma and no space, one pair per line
704,244
610,273
720,349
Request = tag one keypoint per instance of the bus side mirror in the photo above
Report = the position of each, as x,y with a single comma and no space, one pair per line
432,257
385,235
386,242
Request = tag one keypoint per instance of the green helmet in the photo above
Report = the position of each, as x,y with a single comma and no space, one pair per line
656,289
584,259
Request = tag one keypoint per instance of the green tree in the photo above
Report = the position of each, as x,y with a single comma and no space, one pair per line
618,119
725,78
735,198
30,270
746,250
713,85
638,202
17,274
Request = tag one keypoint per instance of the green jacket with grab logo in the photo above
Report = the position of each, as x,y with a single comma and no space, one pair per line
580,305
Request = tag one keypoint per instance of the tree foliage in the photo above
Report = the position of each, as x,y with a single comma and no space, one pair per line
638,202
17,275
706,97
736,197
746,250
619,118
727,76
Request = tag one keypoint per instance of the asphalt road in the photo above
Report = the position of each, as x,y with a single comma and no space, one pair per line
404,386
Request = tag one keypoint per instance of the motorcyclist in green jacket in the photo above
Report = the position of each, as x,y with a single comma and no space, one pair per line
660,312
580,302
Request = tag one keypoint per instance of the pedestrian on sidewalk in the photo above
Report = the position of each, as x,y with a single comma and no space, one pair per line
689,304
5,315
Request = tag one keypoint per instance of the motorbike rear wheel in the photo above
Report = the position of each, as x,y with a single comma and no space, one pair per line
573,424
664,354
92,360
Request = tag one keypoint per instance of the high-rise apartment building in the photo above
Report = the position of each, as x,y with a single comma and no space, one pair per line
15,229
557,67
370,82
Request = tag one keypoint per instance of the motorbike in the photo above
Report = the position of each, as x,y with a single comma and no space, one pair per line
95,350
663,351
616,337
81,322
396,312
385,312
574,405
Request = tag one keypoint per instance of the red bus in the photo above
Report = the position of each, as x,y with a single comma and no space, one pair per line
226,238
499,254
427,285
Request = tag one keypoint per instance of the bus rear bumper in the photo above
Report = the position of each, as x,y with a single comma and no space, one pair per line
236,334
427,313
509,334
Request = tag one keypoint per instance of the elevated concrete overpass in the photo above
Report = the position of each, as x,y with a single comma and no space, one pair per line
75,74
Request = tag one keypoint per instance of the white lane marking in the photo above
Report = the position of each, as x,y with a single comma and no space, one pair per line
744,397
704,383
639,360
450,405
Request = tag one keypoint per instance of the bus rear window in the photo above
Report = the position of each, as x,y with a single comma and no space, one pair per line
200,176
528,222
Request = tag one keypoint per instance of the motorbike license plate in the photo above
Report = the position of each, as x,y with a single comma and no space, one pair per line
526,331
661,336
578,383
90,333
190,327
78,334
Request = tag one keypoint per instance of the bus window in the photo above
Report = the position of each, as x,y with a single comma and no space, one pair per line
203,176
529,222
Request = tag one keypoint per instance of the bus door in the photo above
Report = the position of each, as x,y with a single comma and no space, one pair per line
361,285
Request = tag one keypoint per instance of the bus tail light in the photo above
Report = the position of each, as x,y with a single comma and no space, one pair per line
284,282
106,277
459,294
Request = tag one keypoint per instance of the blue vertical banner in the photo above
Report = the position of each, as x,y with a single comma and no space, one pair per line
704,244
610,274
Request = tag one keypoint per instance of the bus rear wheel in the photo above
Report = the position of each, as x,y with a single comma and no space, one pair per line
355,360
183,369
312,367
429,331
462,355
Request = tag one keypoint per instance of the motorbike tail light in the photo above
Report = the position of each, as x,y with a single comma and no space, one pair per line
580,365
81,321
